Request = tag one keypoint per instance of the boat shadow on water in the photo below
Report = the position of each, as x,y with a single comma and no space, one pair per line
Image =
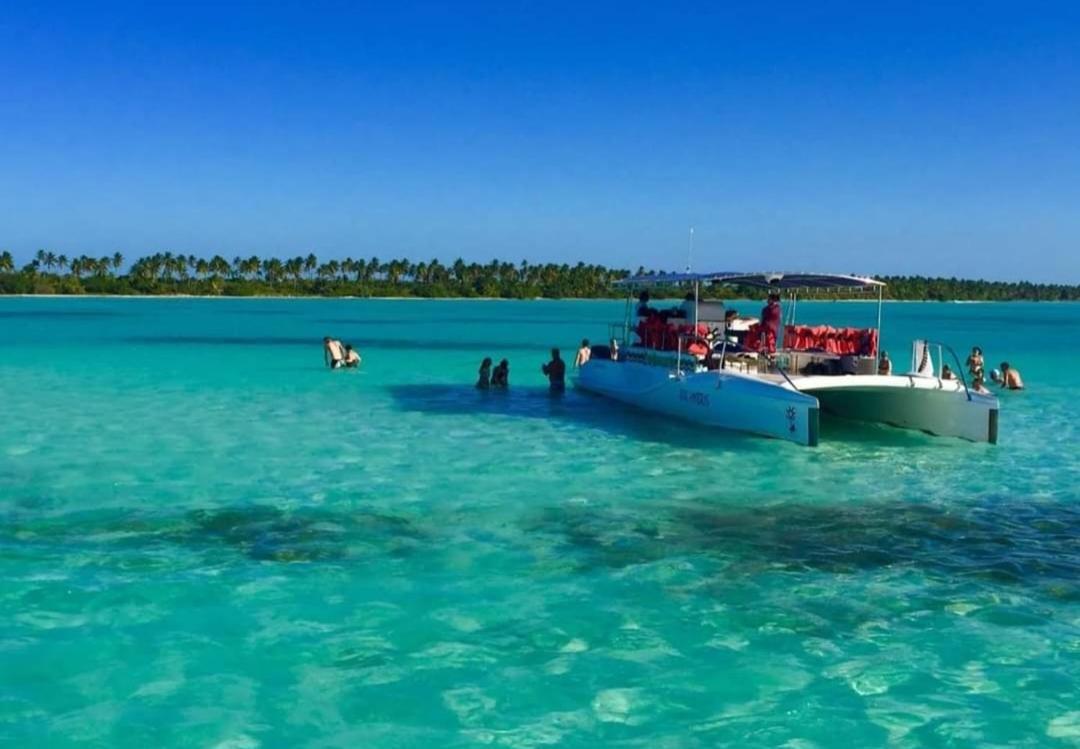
571,406
596,412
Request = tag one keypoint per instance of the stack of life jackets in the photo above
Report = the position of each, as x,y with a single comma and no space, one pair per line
839,341
656,333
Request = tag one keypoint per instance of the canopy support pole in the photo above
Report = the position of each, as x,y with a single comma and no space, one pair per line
696,302
880,296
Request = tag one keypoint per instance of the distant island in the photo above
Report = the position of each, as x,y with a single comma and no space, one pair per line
168,274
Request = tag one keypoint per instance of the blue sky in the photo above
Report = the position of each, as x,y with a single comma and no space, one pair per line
938,139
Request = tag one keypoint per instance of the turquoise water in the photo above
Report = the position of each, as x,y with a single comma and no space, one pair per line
208,540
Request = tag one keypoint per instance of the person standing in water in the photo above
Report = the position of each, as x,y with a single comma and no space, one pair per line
484,380
500,376
977,385
333,353
556,372
1010,377
975,362
352,357
583,354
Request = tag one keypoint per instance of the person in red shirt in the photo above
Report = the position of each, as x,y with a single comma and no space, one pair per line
770,322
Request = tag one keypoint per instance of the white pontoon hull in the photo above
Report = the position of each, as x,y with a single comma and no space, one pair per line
929,404
769,407
726,400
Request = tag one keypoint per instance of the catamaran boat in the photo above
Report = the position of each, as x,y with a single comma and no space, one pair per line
772,380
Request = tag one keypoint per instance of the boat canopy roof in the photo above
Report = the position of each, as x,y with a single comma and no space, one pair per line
765,280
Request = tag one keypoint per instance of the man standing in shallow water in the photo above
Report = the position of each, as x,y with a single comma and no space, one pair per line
333,353
1010,377
556,372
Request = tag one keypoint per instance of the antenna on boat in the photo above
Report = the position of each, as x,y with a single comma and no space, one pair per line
689,260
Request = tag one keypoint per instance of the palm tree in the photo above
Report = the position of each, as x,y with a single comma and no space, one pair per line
294,268
310,263
62,262
7,262
219,266
117,261
272,270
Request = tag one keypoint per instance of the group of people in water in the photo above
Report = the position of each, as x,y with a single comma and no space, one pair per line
1007,377
498,378
555,370
338,355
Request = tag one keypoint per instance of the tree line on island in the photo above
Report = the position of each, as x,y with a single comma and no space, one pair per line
166,273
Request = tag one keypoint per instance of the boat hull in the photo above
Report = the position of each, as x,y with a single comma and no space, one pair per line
928,404
724,400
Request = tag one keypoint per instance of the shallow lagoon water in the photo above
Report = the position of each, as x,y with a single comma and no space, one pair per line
208,540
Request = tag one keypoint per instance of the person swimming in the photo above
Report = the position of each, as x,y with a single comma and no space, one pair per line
500,376
483,382
333,353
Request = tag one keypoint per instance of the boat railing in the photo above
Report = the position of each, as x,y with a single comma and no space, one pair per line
782,371
956,360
